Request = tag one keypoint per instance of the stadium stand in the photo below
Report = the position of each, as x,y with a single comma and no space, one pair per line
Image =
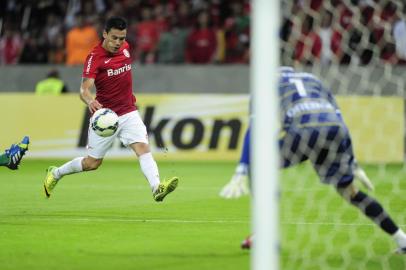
360,31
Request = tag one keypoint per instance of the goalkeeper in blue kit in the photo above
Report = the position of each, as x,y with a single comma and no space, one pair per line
313,129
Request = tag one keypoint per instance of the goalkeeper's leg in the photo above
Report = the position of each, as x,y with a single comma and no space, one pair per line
360,175
374,210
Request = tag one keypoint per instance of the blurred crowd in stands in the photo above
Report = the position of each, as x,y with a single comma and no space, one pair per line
203,31
356,32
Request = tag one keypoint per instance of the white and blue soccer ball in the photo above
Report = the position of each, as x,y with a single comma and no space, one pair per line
104,122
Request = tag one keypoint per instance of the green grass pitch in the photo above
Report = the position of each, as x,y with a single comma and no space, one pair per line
107,219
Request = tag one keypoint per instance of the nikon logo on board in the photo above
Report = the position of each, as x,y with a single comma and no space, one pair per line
185,133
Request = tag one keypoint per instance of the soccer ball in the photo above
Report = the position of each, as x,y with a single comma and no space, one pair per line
104,122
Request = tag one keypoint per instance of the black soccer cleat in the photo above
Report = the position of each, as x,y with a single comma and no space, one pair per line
401,250
247,243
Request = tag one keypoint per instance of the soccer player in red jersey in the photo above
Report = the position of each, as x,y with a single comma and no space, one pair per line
108,68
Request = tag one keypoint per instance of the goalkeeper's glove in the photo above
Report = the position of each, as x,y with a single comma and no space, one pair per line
363,178
238,185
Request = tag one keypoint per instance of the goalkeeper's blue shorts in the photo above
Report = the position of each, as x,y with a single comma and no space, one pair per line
329,149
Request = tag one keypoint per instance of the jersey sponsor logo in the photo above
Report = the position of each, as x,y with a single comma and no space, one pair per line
106,61
117,71
89,63
309,107
126,53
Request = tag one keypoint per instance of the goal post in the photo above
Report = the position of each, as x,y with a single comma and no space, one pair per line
263,76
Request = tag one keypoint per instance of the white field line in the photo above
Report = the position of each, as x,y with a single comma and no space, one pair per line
329,224
126,220
194,221
138,187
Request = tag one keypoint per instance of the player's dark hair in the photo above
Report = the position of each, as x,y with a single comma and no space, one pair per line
116,23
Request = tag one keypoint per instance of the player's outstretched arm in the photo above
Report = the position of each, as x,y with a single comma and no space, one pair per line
86,94
238,185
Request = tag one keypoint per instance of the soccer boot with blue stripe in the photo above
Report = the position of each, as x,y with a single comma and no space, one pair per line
50,181
16,152
165,188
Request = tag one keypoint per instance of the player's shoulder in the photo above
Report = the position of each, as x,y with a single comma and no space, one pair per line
94,59
307,75
287,71
97,50
96,54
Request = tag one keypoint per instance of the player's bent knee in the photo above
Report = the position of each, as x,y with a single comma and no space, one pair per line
140,148
90,164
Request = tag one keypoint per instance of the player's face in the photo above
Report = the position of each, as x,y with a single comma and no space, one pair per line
114,39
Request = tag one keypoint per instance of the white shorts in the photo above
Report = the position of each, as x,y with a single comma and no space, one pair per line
130,130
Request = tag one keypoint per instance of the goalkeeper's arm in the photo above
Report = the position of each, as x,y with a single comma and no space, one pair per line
238,185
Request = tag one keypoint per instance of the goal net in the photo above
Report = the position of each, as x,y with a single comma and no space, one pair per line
353,48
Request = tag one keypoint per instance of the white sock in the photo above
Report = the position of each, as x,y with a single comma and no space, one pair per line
400,237
150,170
70,167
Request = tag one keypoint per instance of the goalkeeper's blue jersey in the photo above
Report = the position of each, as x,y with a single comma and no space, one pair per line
314,128
304,101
